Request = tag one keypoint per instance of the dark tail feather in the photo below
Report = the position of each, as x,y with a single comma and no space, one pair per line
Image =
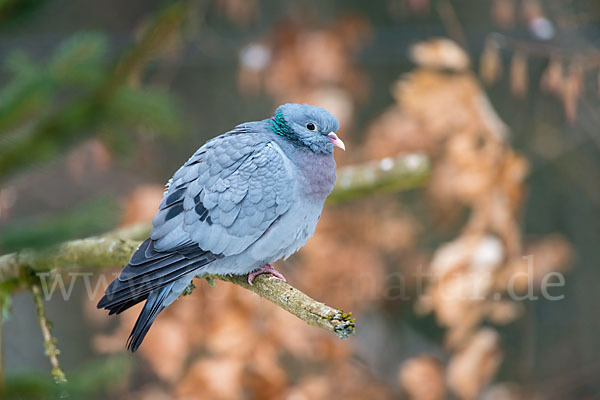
151,275
154,305
149,270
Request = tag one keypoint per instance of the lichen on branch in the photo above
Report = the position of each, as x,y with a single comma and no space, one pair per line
49,341
103,252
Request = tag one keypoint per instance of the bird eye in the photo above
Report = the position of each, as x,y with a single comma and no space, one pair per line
311,127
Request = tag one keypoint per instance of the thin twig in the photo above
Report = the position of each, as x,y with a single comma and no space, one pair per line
106,252
49,342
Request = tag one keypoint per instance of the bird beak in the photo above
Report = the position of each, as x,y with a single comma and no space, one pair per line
333,138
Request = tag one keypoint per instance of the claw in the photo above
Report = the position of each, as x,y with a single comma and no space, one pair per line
265,269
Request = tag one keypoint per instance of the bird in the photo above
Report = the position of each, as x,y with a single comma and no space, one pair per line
242,201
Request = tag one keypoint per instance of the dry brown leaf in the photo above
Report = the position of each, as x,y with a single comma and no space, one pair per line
395,132
490,67
519,80
166,348
458,302
441,104
461,279
453,256
291,334
266,376
440,53
212,378
459,335
344,255
550,254
231,334
422,378
473,367
552,80
504,312
333,268
325,68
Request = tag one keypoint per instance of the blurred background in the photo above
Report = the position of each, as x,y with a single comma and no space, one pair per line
101,101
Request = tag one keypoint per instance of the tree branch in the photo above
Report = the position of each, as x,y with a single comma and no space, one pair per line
390,174
116,248
106,252
49,341
296,302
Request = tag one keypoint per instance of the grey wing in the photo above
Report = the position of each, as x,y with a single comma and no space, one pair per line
226,196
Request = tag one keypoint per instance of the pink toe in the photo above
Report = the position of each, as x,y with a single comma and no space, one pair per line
265,269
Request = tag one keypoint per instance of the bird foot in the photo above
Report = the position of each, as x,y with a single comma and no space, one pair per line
265,269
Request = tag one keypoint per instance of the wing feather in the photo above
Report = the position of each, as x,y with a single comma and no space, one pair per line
227,195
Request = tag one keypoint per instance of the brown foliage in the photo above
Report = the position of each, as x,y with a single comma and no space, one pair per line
474,168
225,343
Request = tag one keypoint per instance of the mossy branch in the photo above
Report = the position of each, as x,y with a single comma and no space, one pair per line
295,302
391,174
103,252
96,252
49,341
115,248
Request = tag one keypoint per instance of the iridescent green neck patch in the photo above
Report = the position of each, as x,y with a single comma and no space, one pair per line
279,125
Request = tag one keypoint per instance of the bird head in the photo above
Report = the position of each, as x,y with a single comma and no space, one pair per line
309,126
